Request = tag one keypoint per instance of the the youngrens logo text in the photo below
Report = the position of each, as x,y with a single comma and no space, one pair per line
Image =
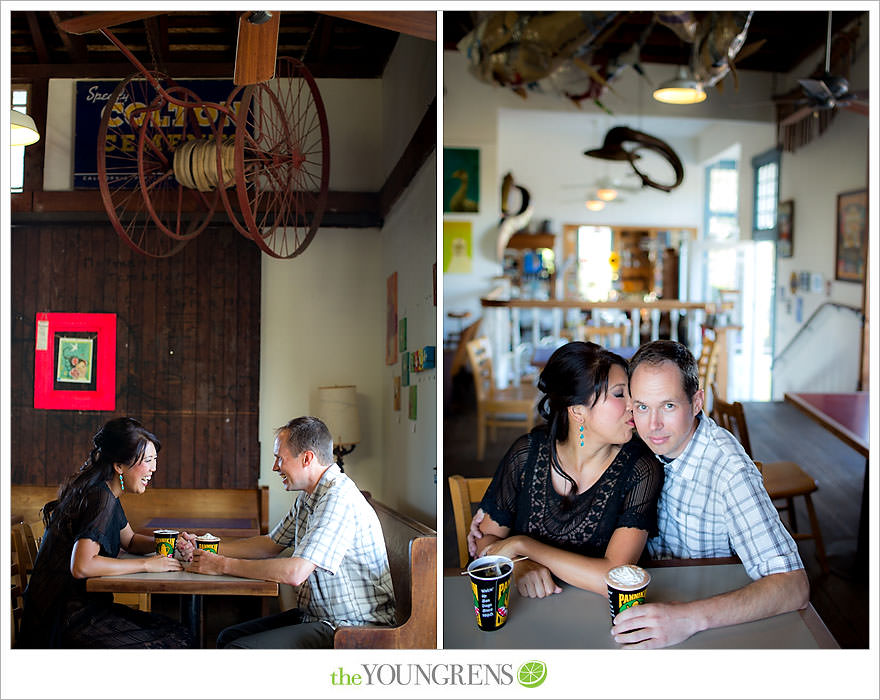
441,674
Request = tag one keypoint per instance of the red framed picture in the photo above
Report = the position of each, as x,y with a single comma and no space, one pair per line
75,362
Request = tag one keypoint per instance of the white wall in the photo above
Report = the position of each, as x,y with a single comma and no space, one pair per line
541,140
812,177
323,313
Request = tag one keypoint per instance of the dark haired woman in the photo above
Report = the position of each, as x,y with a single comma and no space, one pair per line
577,495
85,528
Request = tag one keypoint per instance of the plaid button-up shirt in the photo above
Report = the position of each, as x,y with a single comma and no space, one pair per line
714,504
336,529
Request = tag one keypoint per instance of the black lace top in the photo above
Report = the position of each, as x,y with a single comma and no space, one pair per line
53,595
521,496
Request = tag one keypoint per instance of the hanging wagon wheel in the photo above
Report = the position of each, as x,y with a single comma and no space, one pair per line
282,160
133,101
170,163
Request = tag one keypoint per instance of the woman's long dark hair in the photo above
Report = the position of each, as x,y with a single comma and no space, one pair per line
576,374
122,441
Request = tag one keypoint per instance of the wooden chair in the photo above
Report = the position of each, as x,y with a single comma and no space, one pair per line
607,336
513,406
465,492
459,359
707,366
783,480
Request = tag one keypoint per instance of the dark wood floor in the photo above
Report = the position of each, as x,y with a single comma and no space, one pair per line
778,431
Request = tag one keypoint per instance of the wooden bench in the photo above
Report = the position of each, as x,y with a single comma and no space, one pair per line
245,510
412,556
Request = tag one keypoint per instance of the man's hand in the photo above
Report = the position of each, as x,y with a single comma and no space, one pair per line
475,534
653,625
534,580
186,545
205,562
159,562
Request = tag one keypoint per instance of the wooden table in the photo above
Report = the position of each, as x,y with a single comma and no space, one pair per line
578,619
222,527
846,416
191,586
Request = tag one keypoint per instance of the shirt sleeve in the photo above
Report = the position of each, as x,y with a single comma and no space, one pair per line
643,489
330,532
501,498
756,532
98,520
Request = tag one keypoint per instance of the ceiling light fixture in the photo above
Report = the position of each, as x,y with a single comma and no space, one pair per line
606,194
595,205
681,90
24,130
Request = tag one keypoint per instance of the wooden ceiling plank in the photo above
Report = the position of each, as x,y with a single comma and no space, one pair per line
93,21
419,24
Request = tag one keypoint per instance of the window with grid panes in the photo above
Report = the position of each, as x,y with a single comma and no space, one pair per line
766,195
16,166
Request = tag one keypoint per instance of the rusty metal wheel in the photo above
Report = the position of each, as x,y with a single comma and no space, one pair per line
133,102
165,177
282,160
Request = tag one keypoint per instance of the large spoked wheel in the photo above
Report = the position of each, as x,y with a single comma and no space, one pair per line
165,189
118,172
282,160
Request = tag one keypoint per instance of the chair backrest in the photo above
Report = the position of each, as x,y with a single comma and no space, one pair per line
707,363
460,358
480,357
606,336
732,417
465,492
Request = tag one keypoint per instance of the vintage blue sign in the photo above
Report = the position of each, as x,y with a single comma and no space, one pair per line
92,97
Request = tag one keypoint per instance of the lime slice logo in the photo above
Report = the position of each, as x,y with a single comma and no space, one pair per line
532,673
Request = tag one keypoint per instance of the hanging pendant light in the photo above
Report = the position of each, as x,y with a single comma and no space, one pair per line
681,90
606,194
23,129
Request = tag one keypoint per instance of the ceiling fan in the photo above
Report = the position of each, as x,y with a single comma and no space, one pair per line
827,92
257,44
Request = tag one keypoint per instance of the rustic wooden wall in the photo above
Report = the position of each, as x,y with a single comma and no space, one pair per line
187,351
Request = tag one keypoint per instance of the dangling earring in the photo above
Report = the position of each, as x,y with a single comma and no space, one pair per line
122,483
580,435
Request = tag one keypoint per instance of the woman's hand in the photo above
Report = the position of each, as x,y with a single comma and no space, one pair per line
159,562
506,547
534,580
186,544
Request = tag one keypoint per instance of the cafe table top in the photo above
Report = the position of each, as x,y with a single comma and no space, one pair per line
182,582
578,619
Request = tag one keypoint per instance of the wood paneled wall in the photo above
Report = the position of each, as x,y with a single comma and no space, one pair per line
187,351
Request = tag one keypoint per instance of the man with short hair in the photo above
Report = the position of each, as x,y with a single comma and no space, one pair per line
339,563
713,504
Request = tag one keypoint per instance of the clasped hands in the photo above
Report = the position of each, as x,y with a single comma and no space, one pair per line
200,561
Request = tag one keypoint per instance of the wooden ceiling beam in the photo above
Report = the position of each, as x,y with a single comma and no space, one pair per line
76,46
37,36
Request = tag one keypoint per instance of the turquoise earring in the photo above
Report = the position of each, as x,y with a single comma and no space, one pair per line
580,435
122,483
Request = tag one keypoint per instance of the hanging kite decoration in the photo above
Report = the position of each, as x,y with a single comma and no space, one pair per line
565,53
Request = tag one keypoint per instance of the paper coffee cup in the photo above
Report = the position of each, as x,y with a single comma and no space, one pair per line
490,584
627,586
208,542
165,542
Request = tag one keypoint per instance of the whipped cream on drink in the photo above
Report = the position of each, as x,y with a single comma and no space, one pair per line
626,575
